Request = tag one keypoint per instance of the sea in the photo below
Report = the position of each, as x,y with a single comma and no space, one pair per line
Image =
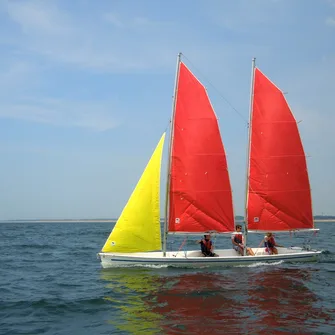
51,282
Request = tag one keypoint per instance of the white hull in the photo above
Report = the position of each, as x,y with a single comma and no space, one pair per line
194,259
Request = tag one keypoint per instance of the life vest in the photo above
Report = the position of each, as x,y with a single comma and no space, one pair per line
207,244
270,242
238,238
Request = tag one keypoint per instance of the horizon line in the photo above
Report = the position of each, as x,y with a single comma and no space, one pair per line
237,218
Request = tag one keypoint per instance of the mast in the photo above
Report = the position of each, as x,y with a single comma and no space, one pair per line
253,66
169,156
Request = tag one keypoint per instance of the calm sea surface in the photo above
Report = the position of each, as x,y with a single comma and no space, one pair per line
52,283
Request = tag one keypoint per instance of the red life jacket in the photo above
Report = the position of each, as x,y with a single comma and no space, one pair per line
238,238
207,244
271,242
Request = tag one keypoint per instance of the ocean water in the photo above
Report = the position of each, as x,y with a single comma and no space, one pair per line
52,283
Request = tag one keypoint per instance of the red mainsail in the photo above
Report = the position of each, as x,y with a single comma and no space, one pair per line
279,197
200,197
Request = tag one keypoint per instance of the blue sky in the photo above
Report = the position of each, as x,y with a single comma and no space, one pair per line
86,87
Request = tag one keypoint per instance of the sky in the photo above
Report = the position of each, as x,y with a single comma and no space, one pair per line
86,92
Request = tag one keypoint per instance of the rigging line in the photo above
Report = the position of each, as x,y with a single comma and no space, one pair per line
185,240
167,125
220,94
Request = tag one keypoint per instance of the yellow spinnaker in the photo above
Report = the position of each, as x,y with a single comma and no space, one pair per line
138,227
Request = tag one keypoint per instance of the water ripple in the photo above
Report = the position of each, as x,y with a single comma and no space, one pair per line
52,283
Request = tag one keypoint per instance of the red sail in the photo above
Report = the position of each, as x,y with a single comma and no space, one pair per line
200,192
279,197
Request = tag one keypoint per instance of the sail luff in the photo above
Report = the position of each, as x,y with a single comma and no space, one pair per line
138,227
168,174
253,66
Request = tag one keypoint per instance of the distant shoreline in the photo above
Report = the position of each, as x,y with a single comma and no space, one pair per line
103,220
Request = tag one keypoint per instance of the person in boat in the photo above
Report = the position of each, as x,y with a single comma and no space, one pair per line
237,239
207,246
270,244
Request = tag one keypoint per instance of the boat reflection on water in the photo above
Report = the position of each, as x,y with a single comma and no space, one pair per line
283,303
198,303
129,290
233,301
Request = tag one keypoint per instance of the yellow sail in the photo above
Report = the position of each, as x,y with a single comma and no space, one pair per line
138,227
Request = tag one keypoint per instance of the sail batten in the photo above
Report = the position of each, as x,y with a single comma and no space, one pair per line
200,196
279,196
138,227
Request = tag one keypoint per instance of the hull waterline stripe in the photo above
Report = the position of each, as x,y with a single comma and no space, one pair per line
187,260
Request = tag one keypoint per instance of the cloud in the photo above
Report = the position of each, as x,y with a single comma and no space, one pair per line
97,43
43,34
15,74
49,38
21,99
114,19
310,94
330,21
20,84
95,116
36,18
243,16
135,23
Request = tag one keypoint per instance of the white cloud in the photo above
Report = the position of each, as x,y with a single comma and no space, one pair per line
15,74
49,37
313,102
41,35
97,43
135,23
20,83
330,21
95,116
243,16
39,18
112,42
114,19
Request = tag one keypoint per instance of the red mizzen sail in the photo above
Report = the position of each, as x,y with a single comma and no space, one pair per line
279,197
200,192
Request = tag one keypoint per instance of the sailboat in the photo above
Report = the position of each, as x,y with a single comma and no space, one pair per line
198,190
